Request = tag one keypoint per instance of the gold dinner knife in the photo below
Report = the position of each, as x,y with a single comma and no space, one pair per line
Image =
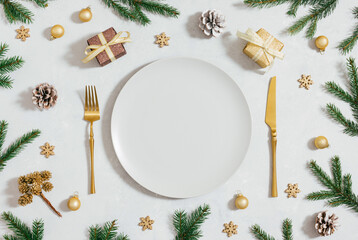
271,122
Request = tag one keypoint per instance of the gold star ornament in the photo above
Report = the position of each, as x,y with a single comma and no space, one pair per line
47,150
22,33
162,40
146,223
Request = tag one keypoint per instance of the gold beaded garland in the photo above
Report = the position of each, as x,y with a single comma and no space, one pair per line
321,142
321,43
74,203
241,202
85,15
57,31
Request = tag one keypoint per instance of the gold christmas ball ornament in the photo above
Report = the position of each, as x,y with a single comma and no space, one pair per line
57,31
241,202
321,142
74,203
321,43
85,15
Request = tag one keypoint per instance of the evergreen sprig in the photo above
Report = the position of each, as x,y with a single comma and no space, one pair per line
21,230
8,65
340,187
133,9
16,147
188,226
107,232
16,12
260,234
319,9
350,97
348,44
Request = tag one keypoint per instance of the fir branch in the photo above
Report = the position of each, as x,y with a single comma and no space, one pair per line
38,229
107,232
338,91
339,193
188,227
15,148
157,8
3,132
41,3
19,228
110,229
287,229
348,44
95,232
16,12
3,49
351,128
259,233
11,64
121,10
122,236
5,81
262,235
265,3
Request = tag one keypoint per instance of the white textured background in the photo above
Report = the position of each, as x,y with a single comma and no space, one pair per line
300,118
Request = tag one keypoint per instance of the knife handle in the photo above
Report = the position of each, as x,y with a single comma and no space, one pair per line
274,174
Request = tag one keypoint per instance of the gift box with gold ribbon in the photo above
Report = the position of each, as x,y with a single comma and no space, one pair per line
106,46
262,47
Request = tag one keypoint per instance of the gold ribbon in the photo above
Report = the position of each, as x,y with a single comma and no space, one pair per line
265,49
97,49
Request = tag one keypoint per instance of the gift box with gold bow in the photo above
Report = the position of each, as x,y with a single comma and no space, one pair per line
262,47
106,46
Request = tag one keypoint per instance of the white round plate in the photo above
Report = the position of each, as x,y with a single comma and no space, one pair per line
181,127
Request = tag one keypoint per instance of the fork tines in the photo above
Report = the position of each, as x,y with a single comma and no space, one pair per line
91,100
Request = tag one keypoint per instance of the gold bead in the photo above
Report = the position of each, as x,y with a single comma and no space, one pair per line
241,202
85,15
321,142
57,31
321,43
74,203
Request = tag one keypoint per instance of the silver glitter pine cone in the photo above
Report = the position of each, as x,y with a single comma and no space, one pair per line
326,224
212,22
44,96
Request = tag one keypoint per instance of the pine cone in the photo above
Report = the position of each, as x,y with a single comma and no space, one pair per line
44,96
23,188
47,186
22,179
36,189
46,175
325,224
25,199
212,23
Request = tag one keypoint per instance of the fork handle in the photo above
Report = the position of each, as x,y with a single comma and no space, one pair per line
93,190
274,174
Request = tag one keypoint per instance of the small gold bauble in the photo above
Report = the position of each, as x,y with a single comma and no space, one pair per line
74,203
241,202
57,31
321,142
321,43
85,14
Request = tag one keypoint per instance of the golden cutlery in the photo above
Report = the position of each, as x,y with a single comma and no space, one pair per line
91,115
271,122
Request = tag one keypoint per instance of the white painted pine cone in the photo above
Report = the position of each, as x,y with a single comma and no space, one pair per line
212,22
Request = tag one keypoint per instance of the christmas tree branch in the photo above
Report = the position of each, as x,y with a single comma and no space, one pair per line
38,229
340,188
19,228
8,65
107,232
262,235
348,44
41,3
16,12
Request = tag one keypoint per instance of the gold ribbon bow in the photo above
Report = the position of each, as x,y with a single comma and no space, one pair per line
97,49
254,38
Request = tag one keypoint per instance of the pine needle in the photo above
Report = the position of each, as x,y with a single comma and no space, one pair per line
347,45
16,12
287,229
260,234
41,3
8,65
107,232
5,81
38,229
19,228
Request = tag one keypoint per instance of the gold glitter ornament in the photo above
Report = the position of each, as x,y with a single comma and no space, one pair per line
241,202
74,203
321,142
85,14
321,43
57,31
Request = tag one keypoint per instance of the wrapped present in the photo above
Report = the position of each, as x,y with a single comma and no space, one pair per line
262,47
106,46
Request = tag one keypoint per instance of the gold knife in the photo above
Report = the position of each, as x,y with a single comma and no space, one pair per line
271,122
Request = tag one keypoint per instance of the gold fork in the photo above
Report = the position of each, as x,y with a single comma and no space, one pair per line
91,115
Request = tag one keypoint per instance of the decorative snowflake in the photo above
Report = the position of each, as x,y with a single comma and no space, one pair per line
23,33
47,150
146,223
292,190
230,228
305,81
162,40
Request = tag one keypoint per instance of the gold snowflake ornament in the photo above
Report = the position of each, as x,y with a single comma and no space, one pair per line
146,223
162,40
22,33
230,228
292,190
47,150
305,81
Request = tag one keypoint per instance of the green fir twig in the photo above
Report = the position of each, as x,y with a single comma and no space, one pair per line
260,234
348,44
339,187
350,97
21,230
133,10
107,232
187,227
8,65
16,147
